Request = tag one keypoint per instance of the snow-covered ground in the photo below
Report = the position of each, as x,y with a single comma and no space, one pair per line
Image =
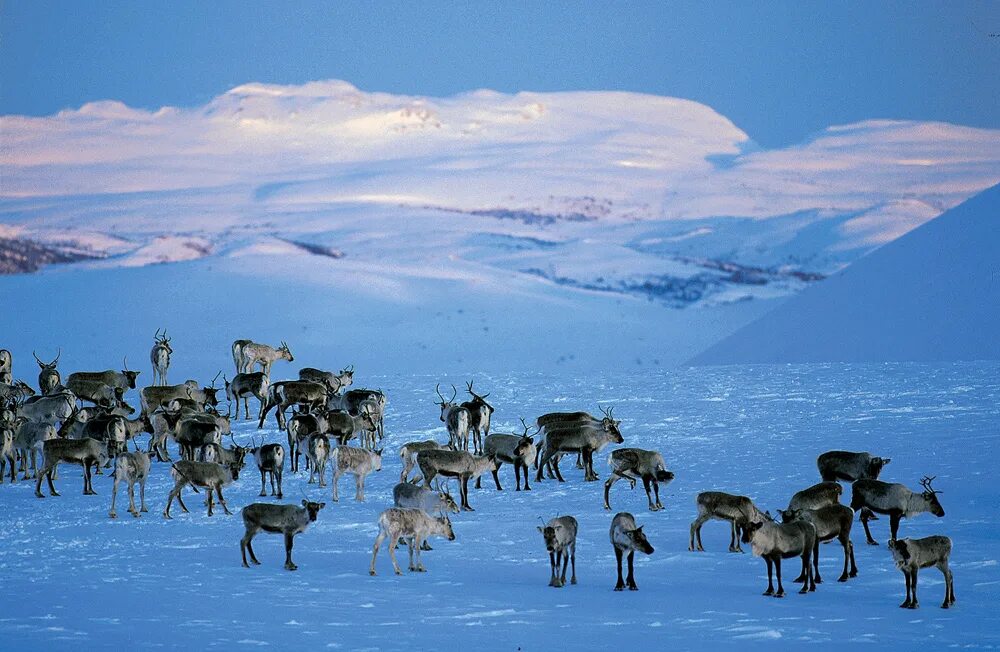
76,578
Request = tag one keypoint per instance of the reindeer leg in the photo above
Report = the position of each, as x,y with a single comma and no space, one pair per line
88,488
770,581
868,532
222,500
409,549
131,500
392,556
913,582
465,494
806,571
244,543
907,601
552,569
524,468
180,500
656,490
496,477
142,495
280,473
815,561
262,485
696,533
289,542
631,572
335,480
854,567
649,498
209,500
555,467
894,519
114,497
845,542
734,539
777,571
610,482
565,556
621,581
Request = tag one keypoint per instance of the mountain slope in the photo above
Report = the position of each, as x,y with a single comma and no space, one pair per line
931,295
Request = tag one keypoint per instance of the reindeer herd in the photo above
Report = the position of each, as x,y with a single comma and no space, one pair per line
86,421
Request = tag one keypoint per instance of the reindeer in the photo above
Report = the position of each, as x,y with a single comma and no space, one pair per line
156,396
85,452
560,541
376,415
411,495
415,526
206,475
345,426
626,537
270,460
243,387
586,438
285,394
123,380
456,418
910,555
557,420
131,468
159,356
738,510
49,379
17,393
287,520
317,452
845,465
480,413
454,464
98,393
817,496
635,463
29,438
896,500
247,353
6,366
336,383
830,521
49,409
300,427
518,450
408,455
775,542
356,461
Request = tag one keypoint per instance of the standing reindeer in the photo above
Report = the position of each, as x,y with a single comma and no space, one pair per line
738,510
270,460
584,436
243,387
413,525
560,541
480,413
288,520
48,376
626,537
896,500
456,418
247,353
408,455
131,468
356,461
635,463
910,555
160,357
517,450
774,542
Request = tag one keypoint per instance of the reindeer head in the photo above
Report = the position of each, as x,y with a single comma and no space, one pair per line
47,366
445,404
285,352
875,466
550,534
130,376
610,425
346,376
662,475
446,529
788,515
312,509
526,441
930,495
749,529
639,540
900,551
162,340
446,503
378,459
477,399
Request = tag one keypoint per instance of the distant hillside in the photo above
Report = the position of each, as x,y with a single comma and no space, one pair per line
19,256
933,294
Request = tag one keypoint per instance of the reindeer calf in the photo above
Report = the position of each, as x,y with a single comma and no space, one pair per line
408,455
317,452
911,555
131,468
415,526
270,460
560,541
287,520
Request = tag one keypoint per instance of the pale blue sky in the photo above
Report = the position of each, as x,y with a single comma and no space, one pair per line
779,70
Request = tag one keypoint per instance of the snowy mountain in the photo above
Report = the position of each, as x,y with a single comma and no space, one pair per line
930,295
620,193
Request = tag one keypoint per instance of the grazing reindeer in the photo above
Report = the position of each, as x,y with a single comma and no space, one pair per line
207,475
738,510
560,541
131,468
584,437
356,461
7,453
454,464
85,452
414,525
247,353
830,521
49,409
911,555
123,380
408,455
317,452
896,500
49,379
456,419
336,383
845,465
159,355
287,520
411,495
243,387
635,463
626,537
282,395
480,413
775,542
270,460
518,450
817,496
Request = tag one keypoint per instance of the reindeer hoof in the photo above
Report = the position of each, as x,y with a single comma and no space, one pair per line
112,515
946,606
399,572
842,578
620,587
873,543
779,595
291,567
769,592
372,573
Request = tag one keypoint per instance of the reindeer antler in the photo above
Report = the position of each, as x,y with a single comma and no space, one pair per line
125,363
58,353
437,388
216,378
454,393
925,482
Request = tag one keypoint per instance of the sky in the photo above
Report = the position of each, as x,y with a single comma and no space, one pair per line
780,71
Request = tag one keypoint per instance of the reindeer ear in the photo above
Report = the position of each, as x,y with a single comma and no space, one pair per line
304,502
322,505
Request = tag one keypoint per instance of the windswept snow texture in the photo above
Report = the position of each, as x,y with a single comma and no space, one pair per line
931,295
635,194
78,579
